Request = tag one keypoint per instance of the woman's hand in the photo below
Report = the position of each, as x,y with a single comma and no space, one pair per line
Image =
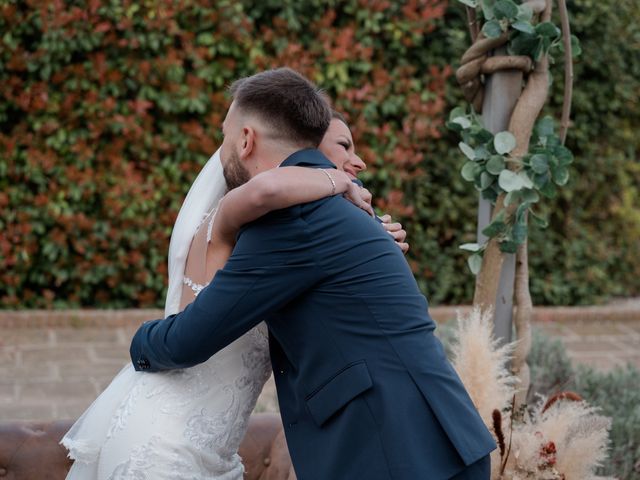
359,196
396,231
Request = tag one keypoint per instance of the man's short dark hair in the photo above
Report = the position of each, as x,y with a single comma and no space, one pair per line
295,109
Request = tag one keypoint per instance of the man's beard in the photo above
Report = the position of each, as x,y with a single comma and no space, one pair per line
235,174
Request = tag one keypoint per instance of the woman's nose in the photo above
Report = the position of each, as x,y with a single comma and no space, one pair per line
357,163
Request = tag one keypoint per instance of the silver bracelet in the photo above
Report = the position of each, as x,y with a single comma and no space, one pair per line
333,183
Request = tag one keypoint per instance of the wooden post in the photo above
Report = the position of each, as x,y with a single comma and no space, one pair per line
502,90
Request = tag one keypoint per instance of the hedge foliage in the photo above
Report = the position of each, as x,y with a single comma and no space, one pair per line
108,108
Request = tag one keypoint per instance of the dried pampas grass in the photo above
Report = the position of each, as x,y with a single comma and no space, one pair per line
481,363
562,438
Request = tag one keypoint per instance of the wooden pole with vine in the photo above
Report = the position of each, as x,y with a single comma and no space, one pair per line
513,166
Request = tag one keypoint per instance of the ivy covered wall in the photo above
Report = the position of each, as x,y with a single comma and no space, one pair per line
109,108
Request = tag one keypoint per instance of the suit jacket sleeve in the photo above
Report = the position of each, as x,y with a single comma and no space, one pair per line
269,267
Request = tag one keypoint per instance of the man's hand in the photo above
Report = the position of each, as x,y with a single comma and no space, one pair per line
396,231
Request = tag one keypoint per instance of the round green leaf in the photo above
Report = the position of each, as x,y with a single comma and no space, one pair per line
529,195
511,197
457,112
487,8
524,178
495,228
560,176
475,263
492,29
504,142
522,26
539,163
481,153
525,13
464,122
486,180
547,29
470,170
470,247
467,150
509,181
505,9
495,165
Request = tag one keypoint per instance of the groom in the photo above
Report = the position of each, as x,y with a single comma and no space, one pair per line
364,387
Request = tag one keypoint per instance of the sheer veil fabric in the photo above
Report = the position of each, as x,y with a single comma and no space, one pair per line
205,193
183,424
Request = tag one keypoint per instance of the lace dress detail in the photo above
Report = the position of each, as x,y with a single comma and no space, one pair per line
182,424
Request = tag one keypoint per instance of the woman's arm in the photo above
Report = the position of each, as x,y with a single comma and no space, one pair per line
280,188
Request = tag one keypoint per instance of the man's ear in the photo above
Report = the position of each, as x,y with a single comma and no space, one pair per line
247,142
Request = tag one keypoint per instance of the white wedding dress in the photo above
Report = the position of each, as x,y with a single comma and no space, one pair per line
182,424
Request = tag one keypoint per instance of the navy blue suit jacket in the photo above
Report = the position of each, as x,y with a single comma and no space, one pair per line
364,388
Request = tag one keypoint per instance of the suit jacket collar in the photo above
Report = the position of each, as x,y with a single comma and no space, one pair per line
309,157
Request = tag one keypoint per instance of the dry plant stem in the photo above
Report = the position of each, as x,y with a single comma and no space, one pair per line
506,456
568,70
522,323
494,64
482,46
472,23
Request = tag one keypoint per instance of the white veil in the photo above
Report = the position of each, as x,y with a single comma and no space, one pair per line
205,193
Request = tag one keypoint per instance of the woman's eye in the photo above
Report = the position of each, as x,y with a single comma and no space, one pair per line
345,145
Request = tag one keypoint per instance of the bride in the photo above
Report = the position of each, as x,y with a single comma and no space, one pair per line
188,424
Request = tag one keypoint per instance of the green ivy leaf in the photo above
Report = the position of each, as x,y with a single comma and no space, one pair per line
492,29
469,3
467,150
495,165
504,142
475,263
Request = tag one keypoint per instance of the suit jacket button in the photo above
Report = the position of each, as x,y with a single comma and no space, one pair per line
143,363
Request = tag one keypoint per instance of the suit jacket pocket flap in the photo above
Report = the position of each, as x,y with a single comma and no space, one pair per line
337,392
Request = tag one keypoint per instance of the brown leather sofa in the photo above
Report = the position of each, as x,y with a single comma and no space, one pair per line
30,451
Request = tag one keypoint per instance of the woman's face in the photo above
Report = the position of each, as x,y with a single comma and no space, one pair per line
337,145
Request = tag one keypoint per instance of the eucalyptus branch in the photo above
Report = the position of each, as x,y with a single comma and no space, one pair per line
568,70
